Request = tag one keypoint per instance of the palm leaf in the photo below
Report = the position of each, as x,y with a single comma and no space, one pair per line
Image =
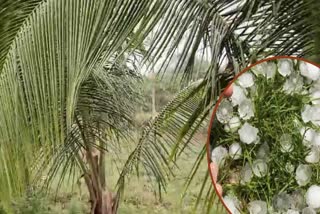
12,15
60,50
153,151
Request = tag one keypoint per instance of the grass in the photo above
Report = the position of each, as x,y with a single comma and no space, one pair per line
139,196
276,113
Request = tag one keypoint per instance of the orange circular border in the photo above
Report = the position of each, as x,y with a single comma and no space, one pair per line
217,105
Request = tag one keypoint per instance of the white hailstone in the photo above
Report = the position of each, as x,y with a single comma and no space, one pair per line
315,96
248,134
285,67
316,84
316,140
235,151
234,123
307,133
316,116
282,201
225,111
259,168
257,207
286,143
260,69
263,151
290,211
309,71
246,174
219,155
238,95
306,113
303,174
246,109
245,80
311,113
308,210
313,197
313,155
293,84
308,136
232,204
298,200
271,69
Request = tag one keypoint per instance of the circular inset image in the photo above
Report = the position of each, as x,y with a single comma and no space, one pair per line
265,139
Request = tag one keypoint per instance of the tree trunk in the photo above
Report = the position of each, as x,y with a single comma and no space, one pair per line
102,201
106,204
92,164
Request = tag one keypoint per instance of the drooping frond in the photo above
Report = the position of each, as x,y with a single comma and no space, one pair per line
102,119
166,136
13,13
238,31
58,53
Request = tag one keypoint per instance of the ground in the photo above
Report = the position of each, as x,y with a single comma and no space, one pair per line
138,198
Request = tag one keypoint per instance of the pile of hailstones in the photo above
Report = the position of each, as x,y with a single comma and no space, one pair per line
236,121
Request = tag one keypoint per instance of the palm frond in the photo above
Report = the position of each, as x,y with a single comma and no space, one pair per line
163,134
12,15
58,52
240,31
102,122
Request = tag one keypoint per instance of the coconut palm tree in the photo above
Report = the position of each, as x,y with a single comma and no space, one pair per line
64,65
67,91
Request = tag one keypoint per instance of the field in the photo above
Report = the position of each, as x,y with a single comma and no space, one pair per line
139,196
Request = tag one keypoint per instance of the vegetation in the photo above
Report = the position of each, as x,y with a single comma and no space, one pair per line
280,144
69,78
139,197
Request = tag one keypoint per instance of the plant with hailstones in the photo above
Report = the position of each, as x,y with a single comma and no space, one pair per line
268,146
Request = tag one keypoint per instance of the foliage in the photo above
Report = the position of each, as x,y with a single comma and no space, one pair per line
54,56
38,202
251,31
276,113
32,203
61,81
274,103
